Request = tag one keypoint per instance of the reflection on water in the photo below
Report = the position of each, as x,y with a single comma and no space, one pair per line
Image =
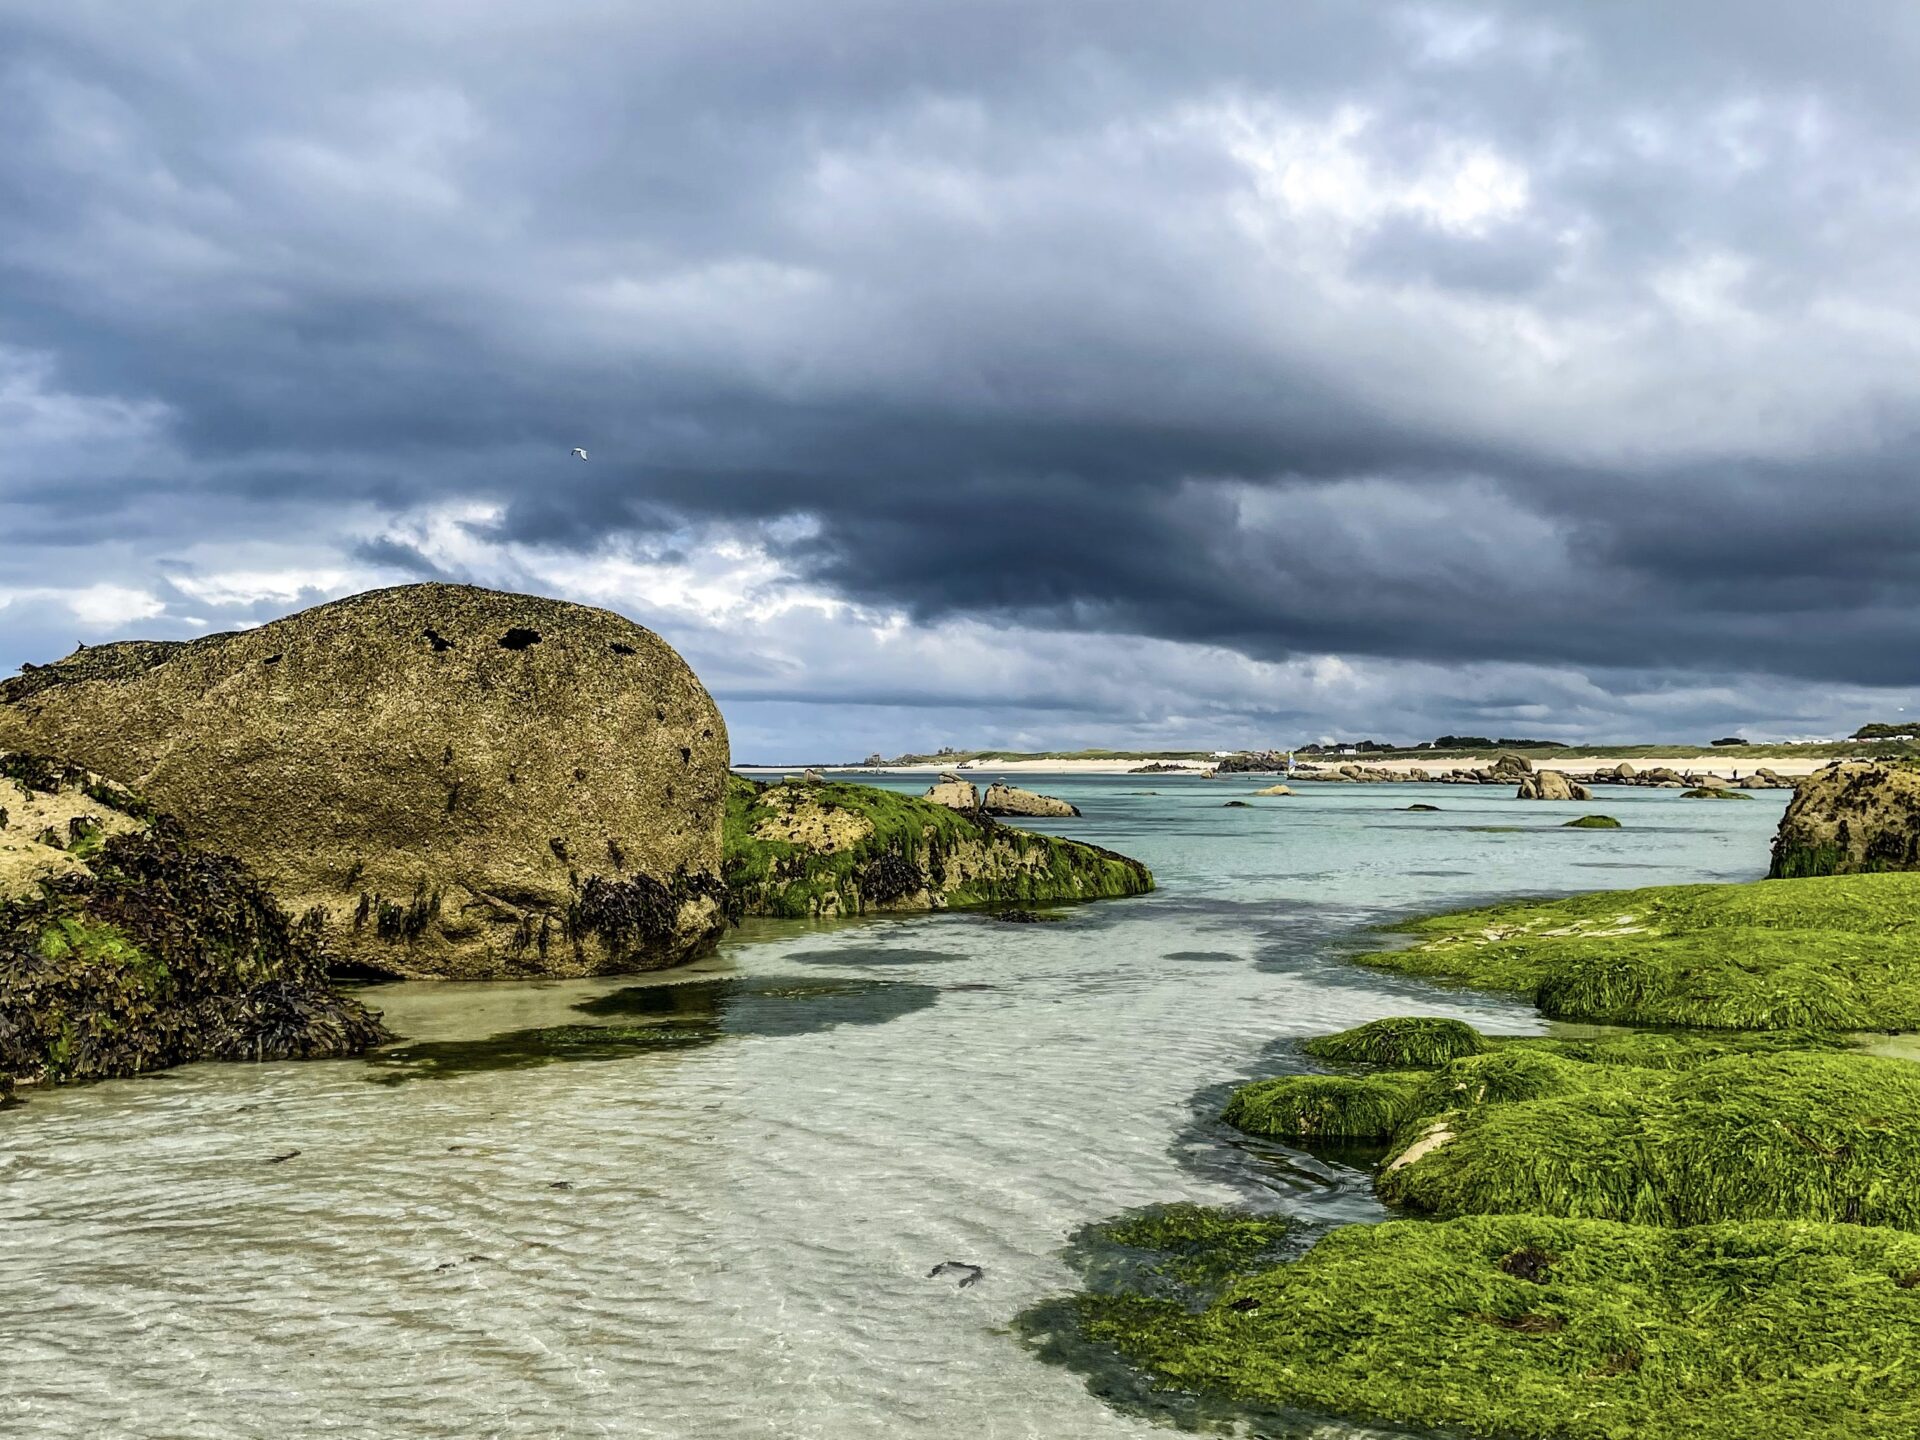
723,1225
663,1017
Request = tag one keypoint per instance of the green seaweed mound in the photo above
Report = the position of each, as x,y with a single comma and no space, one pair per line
1708,792
1410,1041
1834,953
1549,1329
1416,1082
1793,1136
1325,1107
801,850
1592,822
156,953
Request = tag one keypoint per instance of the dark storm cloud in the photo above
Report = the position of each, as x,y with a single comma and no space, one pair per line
1530,335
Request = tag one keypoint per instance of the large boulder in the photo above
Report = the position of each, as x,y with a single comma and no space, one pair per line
123,948
1551,785
445,780
1850,817
1511,767
1004,799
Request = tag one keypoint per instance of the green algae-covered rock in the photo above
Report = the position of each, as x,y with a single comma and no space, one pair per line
448,781
1463,1070
1533,1328
1849,818
1827,954
1592,822
835,849
123,948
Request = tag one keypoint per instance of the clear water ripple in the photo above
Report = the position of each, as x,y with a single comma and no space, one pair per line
731,1236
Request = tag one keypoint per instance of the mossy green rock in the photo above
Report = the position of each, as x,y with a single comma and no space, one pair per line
800,851
123,948
1533,1328
452,781
1851,818
1592,822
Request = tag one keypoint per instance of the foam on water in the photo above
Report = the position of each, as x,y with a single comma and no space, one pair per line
720,1221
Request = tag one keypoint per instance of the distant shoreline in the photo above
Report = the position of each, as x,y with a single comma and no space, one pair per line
1726,762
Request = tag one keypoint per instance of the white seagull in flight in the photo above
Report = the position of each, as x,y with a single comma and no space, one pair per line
578,453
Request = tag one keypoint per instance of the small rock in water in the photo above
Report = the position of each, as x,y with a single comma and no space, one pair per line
969,1274
276,1159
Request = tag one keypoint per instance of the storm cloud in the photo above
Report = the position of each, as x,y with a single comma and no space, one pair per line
1038,373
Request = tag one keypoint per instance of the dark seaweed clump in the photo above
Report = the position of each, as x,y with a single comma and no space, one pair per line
639,914
162,955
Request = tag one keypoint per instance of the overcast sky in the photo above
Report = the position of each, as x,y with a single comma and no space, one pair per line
1025,373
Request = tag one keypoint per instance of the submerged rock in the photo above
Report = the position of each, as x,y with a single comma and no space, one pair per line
444,780
835,849
1004,799
1856,816
129,950
1592,822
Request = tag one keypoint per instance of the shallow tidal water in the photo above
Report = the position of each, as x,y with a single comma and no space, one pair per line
705,1203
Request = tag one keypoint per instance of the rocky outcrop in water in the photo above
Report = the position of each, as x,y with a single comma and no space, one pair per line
1352,774
123,948
1851,817
801,851
440,780
1004,799
954,793
1551,785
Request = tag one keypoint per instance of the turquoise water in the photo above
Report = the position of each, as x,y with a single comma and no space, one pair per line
705,1204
